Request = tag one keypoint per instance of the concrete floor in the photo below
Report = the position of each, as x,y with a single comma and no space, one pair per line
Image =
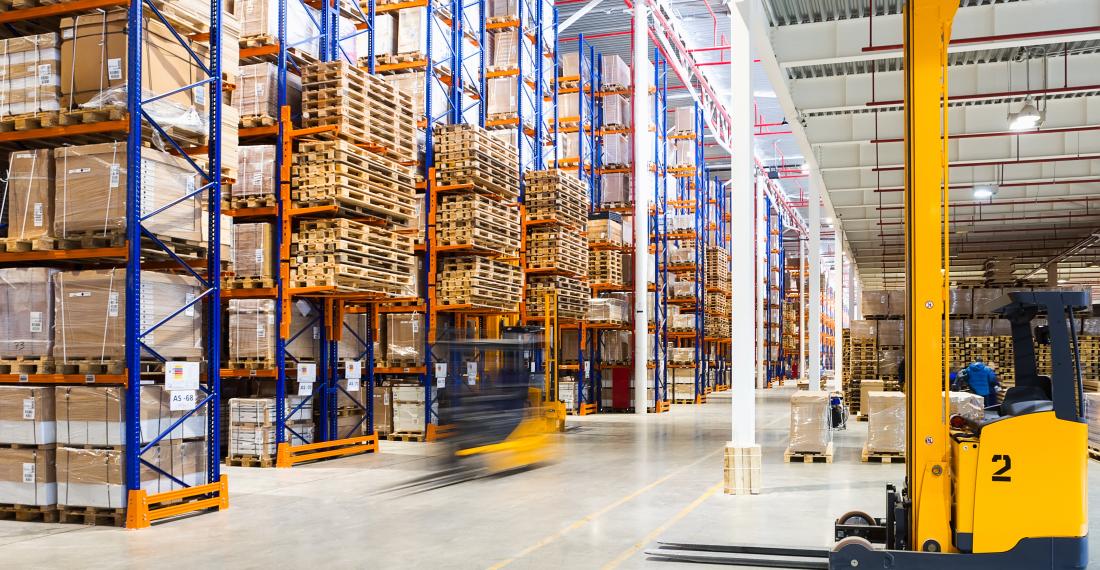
621,484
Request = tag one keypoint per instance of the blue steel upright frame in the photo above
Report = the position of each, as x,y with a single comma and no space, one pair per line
659,225
136,232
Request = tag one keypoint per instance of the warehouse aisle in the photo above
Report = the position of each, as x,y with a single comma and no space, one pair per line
620,485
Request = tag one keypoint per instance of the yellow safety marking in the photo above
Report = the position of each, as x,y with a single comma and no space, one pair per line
626,554
597,514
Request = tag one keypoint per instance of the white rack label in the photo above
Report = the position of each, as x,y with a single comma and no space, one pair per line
182,400
36,321
190,310
441,374
307,373
39,215
181,375
112,304
471,373
28,408
305,388
354,384
353,369
114,68
28,473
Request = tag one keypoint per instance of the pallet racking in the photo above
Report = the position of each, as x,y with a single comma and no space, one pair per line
776,361
142,250
319,382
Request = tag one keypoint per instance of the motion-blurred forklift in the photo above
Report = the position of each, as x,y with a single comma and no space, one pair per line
1009,493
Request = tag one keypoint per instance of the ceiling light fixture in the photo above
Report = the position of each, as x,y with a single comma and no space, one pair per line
1029,117
985,191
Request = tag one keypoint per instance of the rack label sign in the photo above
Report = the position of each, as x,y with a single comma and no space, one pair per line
305,388
307,374
181,376
353,370
182,400
354,384
440,374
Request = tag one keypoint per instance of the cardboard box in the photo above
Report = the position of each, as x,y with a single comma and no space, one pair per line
411,30
383,410
97,477
95,415
26,312
28,476
810,422
408,408
253,250
505,49
886,422
615,72
405,339
30,194
865,388
615,188
30,68
502,96
251,329
27,415
385,41
260,18
94,63
617,111
90,315
256,172
91,192
305,330
257,93
683,120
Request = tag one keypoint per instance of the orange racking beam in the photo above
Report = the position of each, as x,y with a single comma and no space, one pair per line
53,10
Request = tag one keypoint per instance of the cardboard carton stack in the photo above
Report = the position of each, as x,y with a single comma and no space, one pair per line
253,256
408,409
28,433
405,339
252,428
810,433
251,333
255,187
30,68
26,319
886,426
30,200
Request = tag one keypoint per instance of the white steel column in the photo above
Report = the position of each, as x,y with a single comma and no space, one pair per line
643,196
838,307
814,277
802,293
742,235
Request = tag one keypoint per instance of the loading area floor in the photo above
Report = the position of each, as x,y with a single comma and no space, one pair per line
622,483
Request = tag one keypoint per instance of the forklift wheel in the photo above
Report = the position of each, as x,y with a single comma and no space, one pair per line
857,518
859,540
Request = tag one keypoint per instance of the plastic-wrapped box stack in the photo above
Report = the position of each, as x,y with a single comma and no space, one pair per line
256,98
26,318
253,256
28,433
259,22
616,112
91,430
615,190
1092,411
682,380
30,199
408,409
683,121
886,424
615,73
810,434
404,340
252,428
30,68
90,197
615,347
251,333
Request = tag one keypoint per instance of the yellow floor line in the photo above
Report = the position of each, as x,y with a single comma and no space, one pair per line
626,554
594,515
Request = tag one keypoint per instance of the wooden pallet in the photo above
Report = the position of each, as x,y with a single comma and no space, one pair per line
29,513
868,456
790,456
259,363
29,121
27,365
252,201
248,282
407,436
92,516
250,460
255,121
18,245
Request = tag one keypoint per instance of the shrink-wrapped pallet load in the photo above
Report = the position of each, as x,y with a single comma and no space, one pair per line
251,331
257,95
408,408
256,180
886,422
253,251
405,339
810,423
96,416
90,315
26,312
30,194
383,410
27,415
90,195
30,76
259,22
97,477
28,476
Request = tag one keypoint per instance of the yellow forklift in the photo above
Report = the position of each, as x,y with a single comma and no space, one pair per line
1010,493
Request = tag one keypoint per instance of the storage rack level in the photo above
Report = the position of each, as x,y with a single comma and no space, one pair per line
140,250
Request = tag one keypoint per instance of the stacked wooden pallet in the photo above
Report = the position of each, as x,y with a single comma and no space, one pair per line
352,256
468,157
557,248
863,354
556,195
718,268
572,296
478,222
479,282
605,267
364,108
338,173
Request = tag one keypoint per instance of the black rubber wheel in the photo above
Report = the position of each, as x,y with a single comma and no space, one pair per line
857,518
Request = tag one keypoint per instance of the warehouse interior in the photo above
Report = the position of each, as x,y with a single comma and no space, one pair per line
544,283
